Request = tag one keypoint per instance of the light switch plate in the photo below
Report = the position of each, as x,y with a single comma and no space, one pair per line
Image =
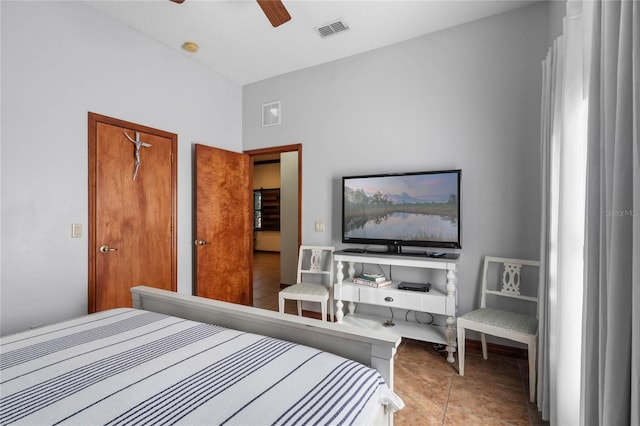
76,230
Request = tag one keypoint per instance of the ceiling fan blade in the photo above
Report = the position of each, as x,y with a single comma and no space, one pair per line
275,11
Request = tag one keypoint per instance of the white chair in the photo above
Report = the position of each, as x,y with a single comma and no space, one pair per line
318,261
501,323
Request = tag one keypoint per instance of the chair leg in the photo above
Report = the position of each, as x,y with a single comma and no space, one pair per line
461,341
532,371
483,340
323,309
299,308
331,309
281,304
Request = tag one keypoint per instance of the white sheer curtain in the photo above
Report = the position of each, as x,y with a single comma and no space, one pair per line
563,187
610,392
597,204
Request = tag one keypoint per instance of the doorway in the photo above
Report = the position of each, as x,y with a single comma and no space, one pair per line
270,247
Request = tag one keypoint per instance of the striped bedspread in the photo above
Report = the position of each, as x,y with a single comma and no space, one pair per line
127,366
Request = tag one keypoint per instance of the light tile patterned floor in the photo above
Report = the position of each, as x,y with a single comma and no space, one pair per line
492,392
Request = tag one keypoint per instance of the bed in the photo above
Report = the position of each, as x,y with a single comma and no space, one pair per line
178,359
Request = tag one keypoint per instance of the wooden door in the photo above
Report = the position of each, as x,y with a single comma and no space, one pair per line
224,225
132,236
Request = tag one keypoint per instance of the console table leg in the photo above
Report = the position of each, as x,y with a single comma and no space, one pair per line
451,339
338,292
451,321
352,270
339,313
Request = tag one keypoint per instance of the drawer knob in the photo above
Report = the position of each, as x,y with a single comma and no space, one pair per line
388,299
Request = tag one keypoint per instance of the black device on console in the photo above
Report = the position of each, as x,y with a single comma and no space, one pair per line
414,286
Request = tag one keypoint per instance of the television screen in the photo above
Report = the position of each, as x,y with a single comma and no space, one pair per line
407,209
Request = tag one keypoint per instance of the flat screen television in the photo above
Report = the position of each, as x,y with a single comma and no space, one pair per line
405,209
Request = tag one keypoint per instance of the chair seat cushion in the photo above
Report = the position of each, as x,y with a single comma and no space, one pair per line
306,289
503,319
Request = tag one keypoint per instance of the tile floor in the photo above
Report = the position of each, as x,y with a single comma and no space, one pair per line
492,392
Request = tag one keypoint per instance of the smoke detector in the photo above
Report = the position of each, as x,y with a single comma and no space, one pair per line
331,29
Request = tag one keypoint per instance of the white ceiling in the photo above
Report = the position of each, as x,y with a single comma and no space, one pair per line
237,41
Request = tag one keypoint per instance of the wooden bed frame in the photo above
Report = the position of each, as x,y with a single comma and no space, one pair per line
370,347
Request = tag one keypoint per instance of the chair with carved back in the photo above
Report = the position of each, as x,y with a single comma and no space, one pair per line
314,280
499,322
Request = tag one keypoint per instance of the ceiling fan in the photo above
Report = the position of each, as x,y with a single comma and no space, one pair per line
274,9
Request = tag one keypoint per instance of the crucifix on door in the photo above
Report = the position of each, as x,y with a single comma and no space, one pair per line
136,151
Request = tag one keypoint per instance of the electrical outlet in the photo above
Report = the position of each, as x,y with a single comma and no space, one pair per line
319,226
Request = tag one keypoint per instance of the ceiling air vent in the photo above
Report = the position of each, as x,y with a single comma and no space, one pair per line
332,28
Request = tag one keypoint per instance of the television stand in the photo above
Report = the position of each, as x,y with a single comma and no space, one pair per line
439,300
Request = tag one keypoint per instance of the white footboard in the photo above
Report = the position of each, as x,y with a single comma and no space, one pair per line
370,347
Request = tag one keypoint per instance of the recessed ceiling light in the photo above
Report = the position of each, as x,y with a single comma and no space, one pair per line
190,46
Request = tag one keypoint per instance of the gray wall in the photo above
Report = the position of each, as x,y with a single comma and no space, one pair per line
467,97
59,61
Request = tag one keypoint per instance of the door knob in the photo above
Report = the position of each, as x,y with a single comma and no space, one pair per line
200,242
105,249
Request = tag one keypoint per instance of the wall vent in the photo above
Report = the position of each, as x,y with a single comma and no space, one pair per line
332,28
271,114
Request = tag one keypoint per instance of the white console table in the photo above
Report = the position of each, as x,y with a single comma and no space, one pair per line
439,300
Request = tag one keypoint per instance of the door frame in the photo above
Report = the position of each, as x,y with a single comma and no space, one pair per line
279,150
93,120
